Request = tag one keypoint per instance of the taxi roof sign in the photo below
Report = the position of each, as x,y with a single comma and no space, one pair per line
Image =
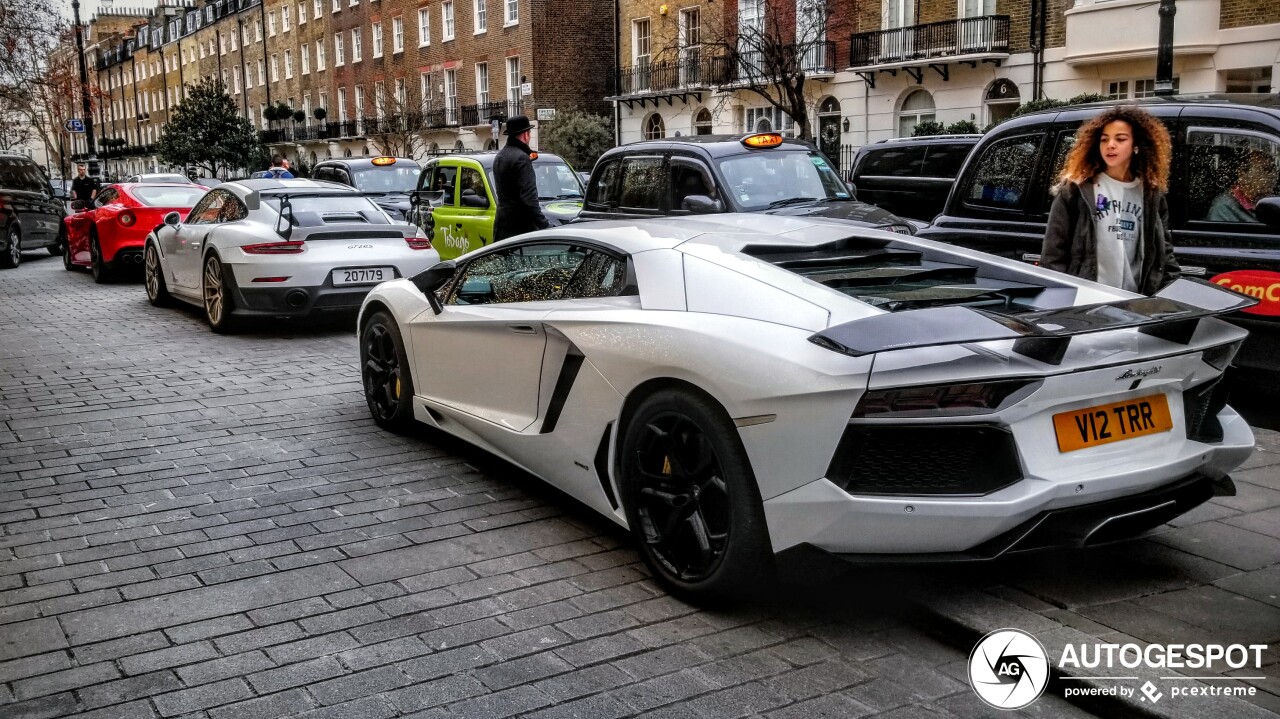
380,161
762,139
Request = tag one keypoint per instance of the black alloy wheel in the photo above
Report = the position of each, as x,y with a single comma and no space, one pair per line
101,274
13,256
388,383
153,277
67,264
692,500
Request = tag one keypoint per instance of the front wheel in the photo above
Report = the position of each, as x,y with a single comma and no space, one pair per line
691,498
13,257
217,300
153,277
384,367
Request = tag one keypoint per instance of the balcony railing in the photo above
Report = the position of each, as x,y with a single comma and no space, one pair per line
484,113
816,58
310,132
694,70
949,38
274,135
346,128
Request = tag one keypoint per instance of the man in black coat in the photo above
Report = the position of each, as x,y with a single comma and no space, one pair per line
516,187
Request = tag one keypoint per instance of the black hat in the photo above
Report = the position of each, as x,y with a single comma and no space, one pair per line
517,125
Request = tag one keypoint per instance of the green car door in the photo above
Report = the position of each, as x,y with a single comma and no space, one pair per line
464,218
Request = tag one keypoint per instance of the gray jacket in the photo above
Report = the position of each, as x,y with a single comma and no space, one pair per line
1071,242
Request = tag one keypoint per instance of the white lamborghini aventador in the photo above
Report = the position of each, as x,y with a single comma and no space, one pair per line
737,387
279,248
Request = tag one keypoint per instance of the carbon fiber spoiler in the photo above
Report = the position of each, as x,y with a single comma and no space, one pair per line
1172,314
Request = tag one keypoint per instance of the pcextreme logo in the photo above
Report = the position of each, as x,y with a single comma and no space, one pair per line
1009,669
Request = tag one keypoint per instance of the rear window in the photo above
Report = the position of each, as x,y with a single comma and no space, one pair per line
325,204
21,175
945,160
893,162
400,177
1004,172
161,196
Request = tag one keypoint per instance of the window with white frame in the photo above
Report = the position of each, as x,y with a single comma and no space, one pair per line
750,18
898,13
355,2
767,119
257,30
342,104
271,24
397,34
427,92
275,68
359,97
977,8
302,12
376,38
482,83
513,82
306,110
284,18
338,59
641,42
262,72
222,45
324,101
511,12
446,19
481,16
235,82
304,54
917,108
288,64
424,26
379,99
1134,89
319,54
401,96
356,48
337,5
317,7
451,94
201,51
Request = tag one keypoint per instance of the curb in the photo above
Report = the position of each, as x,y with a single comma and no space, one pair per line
961,619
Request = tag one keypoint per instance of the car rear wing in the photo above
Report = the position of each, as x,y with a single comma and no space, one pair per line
1172,314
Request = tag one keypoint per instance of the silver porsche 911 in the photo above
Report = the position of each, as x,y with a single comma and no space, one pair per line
279,248
739,388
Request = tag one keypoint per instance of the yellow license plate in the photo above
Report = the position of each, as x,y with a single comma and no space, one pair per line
1104,424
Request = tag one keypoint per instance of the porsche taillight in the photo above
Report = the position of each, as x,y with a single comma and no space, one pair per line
419,241
291,247
126,218
939,400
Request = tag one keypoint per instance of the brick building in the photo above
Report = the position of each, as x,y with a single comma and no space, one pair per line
896,63
404,77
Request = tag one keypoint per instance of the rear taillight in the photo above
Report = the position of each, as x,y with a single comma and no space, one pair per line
935,400
292,247
418,242
126,218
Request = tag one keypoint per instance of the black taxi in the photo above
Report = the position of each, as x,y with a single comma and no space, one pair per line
386,180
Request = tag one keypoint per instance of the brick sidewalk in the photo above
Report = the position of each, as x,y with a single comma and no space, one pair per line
202,526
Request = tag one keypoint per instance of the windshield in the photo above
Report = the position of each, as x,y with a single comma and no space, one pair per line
763,179
161,196
325,204
162,178
556,181
400,177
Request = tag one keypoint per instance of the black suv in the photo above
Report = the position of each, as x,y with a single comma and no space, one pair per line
1000,203
763,172
387,181
910,176
31,210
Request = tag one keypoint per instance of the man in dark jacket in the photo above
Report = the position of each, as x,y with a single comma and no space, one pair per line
517,188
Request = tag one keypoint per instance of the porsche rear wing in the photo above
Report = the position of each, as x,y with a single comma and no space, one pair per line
1172,314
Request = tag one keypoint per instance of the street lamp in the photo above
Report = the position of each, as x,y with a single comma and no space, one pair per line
1164,51
84,88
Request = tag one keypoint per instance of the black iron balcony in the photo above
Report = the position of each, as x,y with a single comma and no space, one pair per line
692,71
345,128
309,133
279,134
984,35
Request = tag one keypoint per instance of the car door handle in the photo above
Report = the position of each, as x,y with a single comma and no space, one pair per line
523,329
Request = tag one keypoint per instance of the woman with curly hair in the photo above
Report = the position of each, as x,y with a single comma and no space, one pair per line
1110,220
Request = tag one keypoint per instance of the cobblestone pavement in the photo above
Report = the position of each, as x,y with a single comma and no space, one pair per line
204,526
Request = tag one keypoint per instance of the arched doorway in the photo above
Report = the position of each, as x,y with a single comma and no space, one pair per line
702,122
458,146
492,144
917,107
829,128
654,127
1001,100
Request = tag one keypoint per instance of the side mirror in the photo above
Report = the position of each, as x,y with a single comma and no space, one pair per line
430,280
853,190
173,219
1268,210
701,205
78,205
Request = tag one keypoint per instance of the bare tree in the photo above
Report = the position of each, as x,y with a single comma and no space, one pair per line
397,128
36,79
15,129
774,52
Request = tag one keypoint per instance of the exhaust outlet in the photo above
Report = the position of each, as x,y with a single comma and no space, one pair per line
296,298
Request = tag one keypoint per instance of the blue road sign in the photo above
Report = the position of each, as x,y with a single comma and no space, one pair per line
75,124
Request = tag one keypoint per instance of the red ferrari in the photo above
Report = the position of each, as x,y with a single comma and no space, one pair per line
108,236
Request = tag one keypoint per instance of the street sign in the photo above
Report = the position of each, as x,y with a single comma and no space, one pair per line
526,88
75,124
546,113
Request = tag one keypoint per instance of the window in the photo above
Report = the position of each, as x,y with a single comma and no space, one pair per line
233,41
654,127
284,18
275,69
446,19
306,110
1003,171
898,13
513,83
1230,170
342,104
397,34
979,8
262,72
324,100
401,96
208,209
222,50
376,39
451,95
337,50
482,83
916,108
288,64
317,7
271,24
257,31
1120,89
640,43
539,273
426,89
359,109
643,184
481,16
305,54
767,119
893,161
302,12
356,44
337,5
511,12
424,26
319,54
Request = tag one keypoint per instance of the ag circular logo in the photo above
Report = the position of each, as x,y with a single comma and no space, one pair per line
1008,669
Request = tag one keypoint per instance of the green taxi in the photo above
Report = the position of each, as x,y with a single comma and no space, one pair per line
455,203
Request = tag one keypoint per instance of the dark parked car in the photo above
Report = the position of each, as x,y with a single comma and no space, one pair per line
910,176
31,210
762,172
1000,203
387,181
